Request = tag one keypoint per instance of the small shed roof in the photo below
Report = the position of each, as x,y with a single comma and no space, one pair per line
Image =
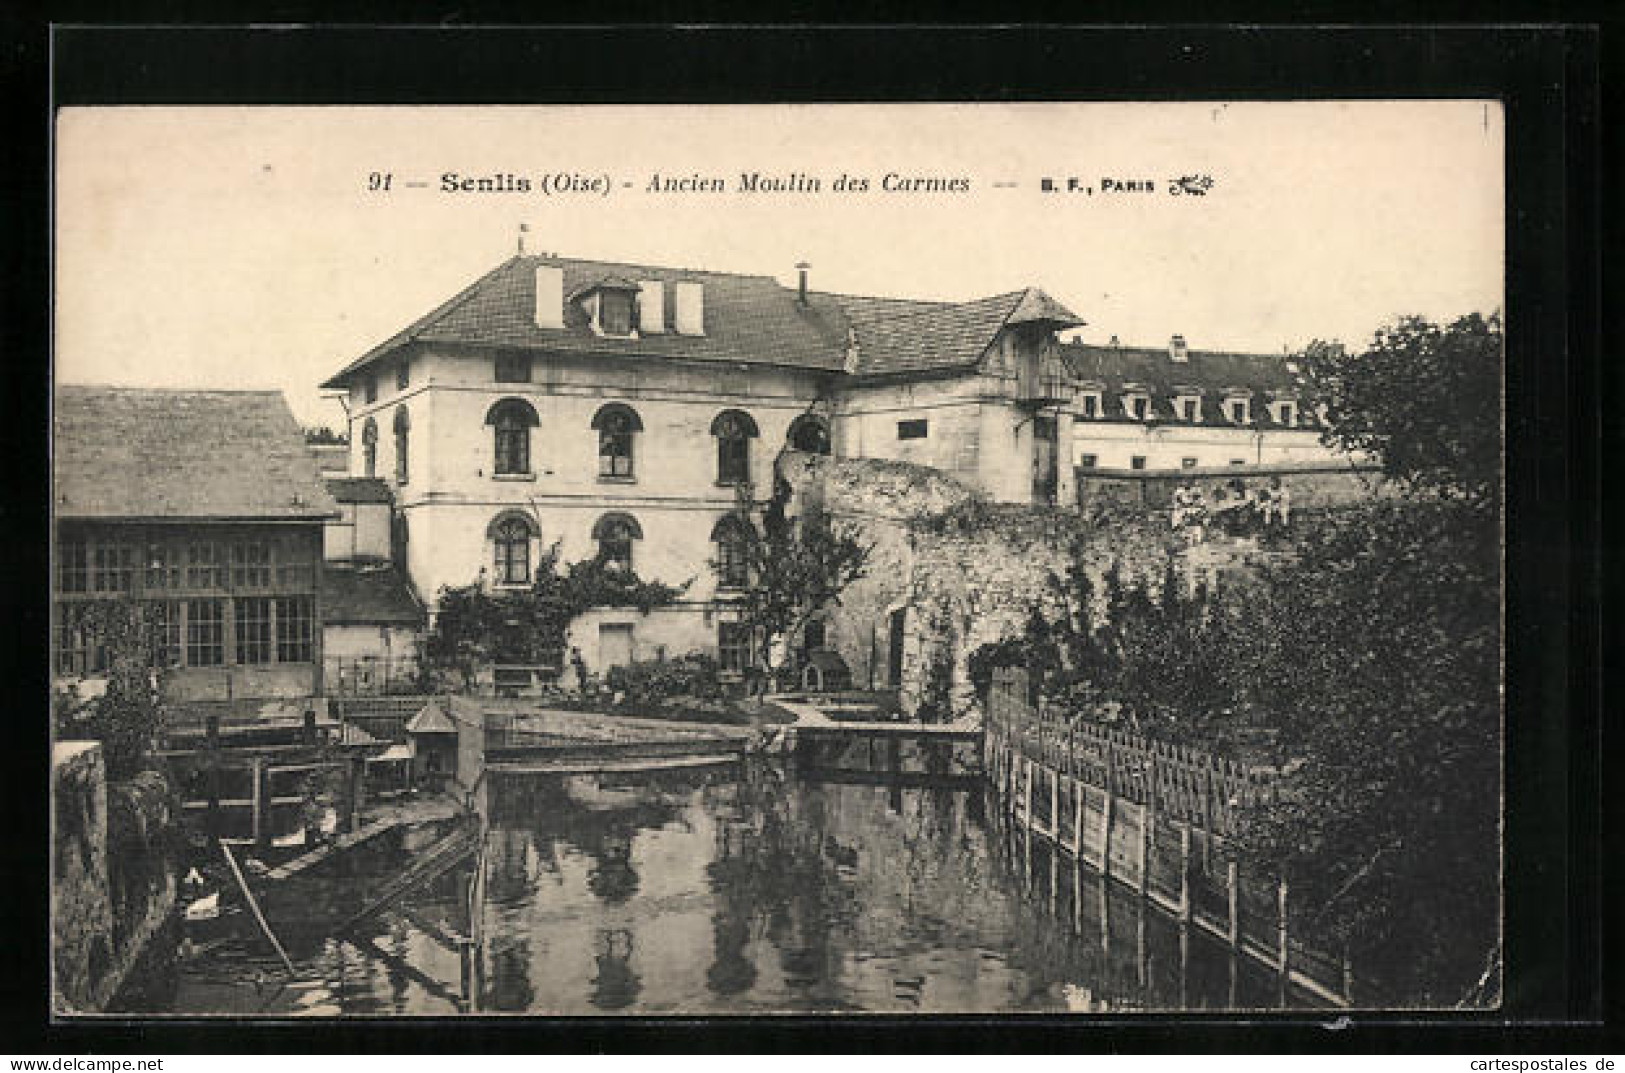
431,719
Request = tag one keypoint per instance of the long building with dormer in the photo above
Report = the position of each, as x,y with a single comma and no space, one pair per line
617,410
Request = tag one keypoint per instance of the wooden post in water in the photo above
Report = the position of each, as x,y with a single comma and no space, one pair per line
262,802
1233,925
358,788
1184,874
1281,936
211,743
308,732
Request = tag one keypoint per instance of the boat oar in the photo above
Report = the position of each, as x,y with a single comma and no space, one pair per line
255,906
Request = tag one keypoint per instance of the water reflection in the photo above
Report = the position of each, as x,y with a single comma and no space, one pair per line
747,889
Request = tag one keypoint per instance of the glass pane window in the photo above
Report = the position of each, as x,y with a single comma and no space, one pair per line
205,566
733,562
163,567
616,315
73,566
615,547
512,442
513,553
77,649
205,633
253,618
513,368
167,625
251,564
295,568
115,567
294,629
615,446
733,646
733,459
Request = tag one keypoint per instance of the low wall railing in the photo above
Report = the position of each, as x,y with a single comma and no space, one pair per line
1157,818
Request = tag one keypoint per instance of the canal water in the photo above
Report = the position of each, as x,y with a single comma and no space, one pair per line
746,889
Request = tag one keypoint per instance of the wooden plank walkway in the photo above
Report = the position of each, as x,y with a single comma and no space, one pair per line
327,849
932,731
607,765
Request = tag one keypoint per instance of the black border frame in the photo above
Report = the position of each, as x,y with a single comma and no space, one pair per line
1549,77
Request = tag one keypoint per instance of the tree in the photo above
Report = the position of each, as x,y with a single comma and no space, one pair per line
1425,400
322,435
129,712
797,567
1375,659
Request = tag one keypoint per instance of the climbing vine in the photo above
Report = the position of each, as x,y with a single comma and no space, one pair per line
477,626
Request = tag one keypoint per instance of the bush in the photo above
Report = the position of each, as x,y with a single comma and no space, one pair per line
695,675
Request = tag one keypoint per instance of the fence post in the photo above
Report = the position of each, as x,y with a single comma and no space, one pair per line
1055,805
1108,819
1147,817
1077,819
1348,976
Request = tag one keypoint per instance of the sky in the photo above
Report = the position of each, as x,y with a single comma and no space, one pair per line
243,248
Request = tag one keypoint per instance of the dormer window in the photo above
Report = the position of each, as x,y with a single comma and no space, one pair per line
1094,404
609,305
615,315
1188,406
1238,409
1284,412
1136,403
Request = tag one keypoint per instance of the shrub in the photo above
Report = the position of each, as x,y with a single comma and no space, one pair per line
695,675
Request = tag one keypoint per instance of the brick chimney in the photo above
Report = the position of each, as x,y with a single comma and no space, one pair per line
549,296
689,298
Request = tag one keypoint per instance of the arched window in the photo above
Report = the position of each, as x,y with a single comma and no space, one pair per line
733,536
403,434
512,420
734,429
511,534
617,424
369,448
614,534
809,433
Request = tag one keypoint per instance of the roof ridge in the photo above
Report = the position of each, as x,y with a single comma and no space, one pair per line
638,265
147,390
1013,296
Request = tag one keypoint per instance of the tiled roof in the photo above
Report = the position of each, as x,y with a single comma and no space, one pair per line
141,453
1216,374
359,490
747,319
368,595
933,338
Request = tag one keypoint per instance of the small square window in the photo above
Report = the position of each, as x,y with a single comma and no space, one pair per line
1238,461
513,368
1088,461
1137,462
913,430
1188,463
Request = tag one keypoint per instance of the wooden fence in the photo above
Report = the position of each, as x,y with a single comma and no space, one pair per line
1155,817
